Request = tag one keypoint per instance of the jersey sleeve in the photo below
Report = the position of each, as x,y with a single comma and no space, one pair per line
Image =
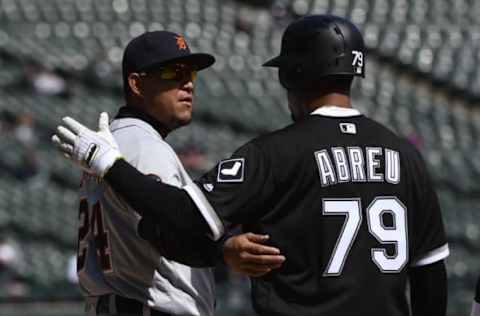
156,160
429,240
151,156
238,189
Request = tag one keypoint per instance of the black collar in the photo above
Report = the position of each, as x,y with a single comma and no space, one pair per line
132,112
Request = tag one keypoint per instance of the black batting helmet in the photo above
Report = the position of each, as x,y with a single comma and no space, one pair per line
317,46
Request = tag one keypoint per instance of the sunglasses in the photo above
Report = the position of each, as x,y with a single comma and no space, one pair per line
176,72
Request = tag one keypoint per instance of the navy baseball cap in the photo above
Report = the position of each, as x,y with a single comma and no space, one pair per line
154,49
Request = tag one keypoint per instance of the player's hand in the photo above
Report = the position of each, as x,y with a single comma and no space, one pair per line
247,254
94,151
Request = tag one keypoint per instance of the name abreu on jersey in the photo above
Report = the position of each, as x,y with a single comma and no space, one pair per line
356,164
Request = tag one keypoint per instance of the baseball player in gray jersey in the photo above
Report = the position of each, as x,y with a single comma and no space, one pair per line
120,272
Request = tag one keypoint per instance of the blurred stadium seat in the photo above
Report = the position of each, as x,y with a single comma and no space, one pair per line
422,81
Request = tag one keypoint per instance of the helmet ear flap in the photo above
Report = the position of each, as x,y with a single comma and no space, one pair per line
292,76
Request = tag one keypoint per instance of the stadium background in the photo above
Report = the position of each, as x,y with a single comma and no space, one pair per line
60,57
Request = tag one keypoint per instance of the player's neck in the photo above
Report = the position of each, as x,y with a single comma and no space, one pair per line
140,111
336,99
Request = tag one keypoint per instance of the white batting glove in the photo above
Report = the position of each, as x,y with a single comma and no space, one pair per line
95,152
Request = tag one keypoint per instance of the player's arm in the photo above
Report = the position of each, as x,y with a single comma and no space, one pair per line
428,289
192,249
429,246
184,216
237,191
168,208
170,219
176,217
247,254
184,210
244,253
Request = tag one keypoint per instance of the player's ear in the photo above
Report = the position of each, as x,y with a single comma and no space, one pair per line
134,82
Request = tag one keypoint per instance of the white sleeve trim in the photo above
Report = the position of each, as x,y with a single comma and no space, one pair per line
209,214
432,256
475,309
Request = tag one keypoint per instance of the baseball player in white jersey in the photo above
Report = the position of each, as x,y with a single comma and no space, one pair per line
121,271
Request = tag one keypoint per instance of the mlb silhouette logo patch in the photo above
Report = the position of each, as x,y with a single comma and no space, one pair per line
348,128
231,170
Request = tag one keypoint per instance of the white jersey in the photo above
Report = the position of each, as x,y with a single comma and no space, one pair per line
113,258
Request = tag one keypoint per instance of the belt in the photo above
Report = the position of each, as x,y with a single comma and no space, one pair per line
112,304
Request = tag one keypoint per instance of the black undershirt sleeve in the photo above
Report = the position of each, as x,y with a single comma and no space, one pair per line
429,289
170,219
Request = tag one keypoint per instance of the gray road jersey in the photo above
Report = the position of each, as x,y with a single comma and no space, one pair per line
113,258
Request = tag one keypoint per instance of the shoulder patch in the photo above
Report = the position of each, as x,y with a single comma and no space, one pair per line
231,170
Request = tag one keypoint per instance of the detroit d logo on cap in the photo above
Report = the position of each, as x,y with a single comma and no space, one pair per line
231,170
181,44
